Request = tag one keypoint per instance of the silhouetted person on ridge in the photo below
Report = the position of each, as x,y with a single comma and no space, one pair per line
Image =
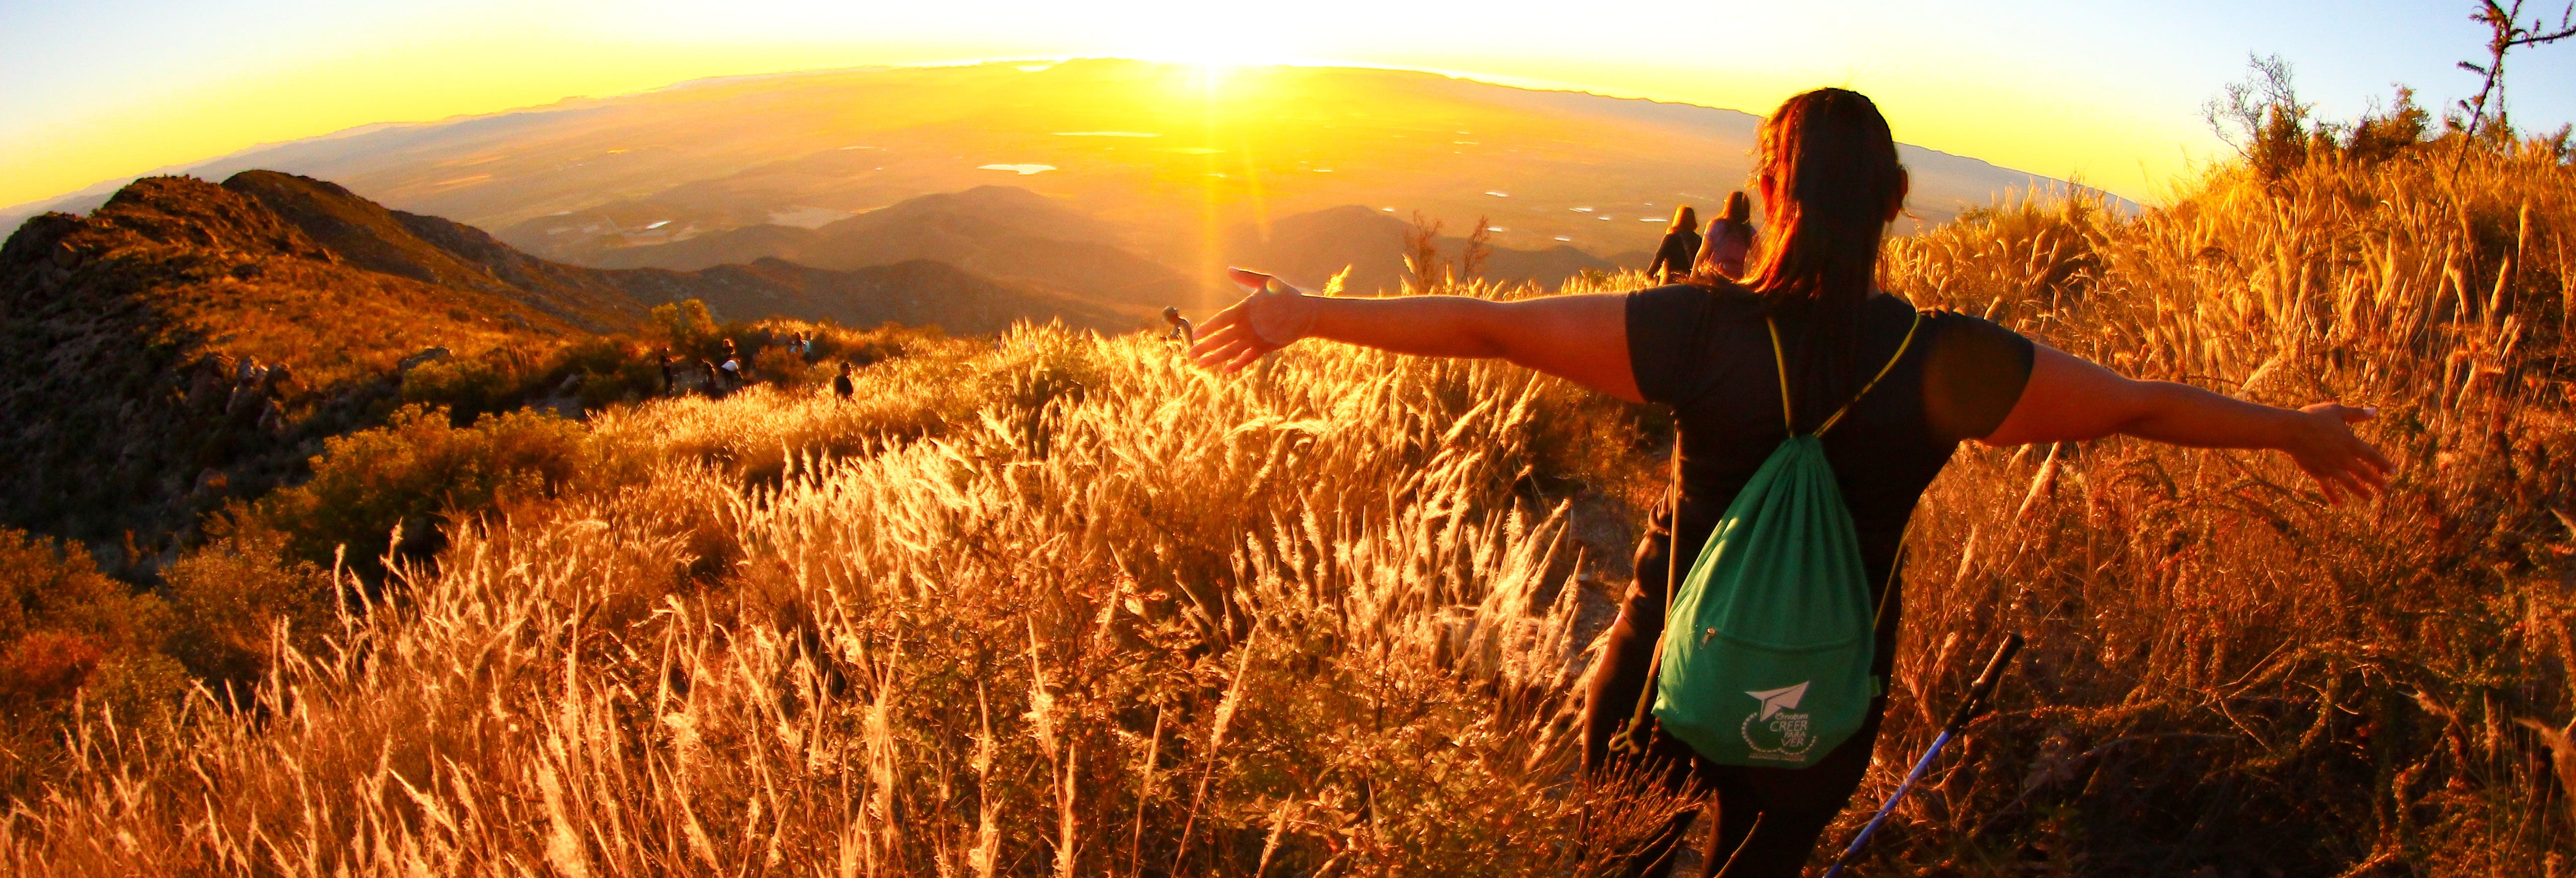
841,385
1801,334
1681,245
1729,239
1181,329
670,374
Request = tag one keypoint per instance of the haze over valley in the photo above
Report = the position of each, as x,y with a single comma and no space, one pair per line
1124,183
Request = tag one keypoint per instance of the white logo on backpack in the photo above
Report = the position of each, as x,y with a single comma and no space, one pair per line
1787,731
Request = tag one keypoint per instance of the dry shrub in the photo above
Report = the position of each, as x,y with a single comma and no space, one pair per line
73,643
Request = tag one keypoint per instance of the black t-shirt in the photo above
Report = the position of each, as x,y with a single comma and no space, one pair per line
1705,352
1680,248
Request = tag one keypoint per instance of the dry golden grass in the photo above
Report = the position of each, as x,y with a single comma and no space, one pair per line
1067,606
1122,616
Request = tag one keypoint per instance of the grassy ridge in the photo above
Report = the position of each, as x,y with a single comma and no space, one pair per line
1064,605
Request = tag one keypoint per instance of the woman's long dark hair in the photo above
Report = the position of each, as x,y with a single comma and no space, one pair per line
1684,220
1832,166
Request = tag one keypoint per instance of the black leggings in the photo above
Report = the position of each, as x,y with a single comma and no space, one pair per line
1768,819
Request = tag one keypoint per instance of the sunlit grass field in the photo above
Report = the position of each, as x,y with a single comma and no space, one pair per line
1062,604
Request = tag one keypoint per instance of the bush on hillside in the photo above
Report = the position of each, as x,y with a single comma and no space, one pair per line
232,594
683,325
606,370
420,472
69,636
464,386
785,368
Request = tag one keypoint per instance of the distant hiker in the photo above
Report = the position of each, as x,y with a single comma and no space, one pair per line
1181,330
841,385
729,352
1681,245
714,378
1805,334
1729,239
670,374
272,417
732,373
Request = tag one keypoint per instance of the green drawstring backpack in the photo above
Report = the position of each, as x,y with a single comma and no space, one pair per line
1765,655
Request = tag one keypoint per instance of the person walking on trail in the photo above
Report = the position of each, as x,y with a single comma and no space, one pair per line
1788,350
841,385
1673,258
1181,330
1729,239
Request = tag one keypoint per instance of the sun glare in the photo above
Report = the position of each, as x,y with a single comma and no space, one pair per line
1215,40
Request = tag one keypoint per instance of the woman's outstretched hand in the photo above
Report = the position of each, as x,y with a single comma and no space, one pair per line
2343,465
1272,317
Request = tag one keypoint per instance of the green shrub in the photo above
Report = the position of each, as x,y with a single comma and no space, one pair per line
419,471
230,594
685,324
785,368
463,386
611,369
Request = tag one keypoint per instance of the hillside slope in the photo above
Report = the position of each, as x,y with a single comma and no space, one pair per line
123,336
127,336
436,251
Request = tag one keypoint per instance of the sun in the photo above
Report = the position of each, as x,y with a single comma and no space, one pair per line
1215,40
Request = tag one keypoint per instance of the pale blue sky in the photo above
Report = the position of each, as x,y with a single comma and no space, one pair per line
2108,91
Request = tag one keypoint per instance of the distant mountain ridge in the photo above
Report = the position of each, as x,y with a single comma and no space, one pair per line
710,168
1001,232
1309,248
1026,239
435,250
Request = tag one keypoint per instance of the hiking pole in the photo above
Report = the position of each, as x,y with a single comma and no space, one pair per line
1978,694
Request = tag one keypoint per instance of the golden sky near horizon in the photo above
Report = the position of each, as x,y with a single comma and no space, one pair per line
2109,95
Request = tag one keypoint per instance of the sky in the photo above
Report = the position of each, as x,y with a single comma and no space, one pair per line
2108,93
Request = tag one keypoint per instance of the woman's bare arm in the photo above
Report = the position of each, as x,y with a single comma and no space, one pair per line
1580,338
2070,398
